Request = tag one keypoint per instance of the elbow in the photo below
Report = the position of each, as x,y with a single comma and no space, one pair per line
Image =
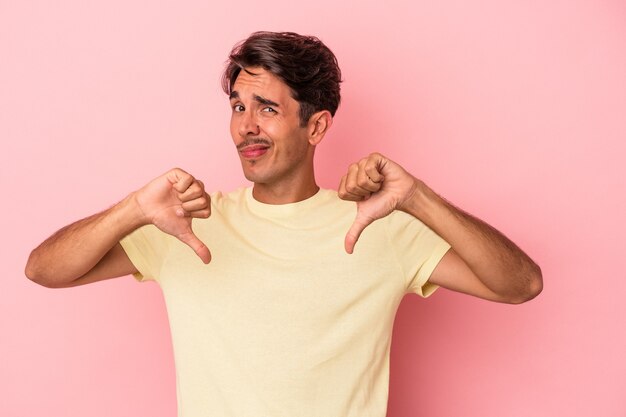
31,271
34,274
536,284
37,274
43,281
532,288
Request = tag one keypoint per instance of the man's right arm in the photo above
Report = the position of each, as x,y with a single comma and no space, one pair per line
88,250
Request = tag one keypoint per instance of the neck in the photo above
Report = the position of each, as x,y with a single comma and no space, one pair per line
285,193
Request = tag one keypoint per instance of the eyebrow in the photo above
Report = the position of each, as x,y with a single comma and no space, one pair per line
262,100
266,101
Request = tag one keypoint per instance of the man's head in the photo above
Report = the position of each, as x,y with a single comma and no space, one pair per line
303,63
284,91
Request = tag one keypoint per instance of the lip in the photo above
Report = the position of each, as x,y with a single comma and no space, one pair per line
253,151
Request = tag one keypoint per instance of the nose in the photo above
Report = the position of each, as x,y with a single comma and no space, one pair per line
248,125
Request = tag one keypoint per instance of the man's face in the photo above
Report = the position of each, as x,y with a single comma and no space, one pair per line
265,126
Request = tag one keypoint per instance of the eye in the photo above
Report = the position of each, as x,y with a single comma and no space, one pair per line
269,110
238,108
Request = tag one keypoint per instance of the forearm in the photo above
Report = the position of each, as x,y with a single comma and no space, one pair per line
495,260
75,249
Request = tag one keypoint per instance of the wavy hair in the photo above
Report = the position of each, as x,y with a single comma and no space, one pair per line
307,66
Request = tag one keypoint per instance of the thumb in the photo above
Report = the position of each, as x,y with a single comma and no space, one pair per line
196,244
360,223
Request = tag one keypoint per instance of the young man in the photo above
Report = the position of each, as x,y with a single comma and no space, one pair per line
286,307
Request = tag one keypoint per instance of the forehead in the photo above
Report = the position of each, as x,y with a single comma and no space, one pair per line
256,80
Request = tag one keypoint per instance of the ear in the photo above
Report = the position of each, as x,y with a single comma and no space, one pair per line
318,125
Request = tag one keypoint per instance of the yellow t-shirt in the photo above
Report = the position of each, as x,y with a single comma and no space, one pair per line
283,322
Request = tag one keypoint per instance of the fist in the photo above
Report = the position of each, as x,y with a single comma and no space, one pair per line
171,201
379,186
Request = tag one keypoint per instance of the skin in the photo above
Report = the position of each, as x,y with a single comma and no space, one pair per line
481,262
276,154
88,250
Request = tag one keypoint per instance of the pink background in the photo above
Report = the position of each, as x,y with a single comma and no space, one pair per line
514,111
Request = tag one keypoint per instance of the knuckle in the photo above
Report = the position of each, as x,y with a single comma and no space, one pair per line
362,182
372,173
182,173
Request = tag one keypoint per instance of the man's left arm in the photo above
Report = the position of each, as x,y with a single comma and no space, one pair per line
481,262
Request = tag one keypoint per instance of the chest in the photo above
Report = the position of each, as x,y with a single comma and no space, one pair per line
274,276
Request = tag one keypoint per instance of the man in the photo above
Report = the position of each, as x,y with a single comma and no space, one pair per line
287,305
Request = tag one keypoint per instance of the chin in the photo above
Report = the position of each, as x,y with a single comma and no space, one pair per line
252,176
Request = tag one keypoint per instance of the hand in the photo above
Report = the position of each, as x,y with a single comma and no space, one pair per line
379,186
171,201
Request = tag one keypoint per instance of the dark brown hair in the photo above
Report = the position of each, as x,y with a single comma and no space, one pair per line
304,63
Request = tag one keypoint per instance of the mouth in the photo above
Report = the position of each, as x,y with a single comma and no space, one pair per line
253,151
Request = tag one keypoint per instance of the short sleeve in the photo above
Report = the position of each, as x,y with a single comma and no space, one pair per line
147,248
418,250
